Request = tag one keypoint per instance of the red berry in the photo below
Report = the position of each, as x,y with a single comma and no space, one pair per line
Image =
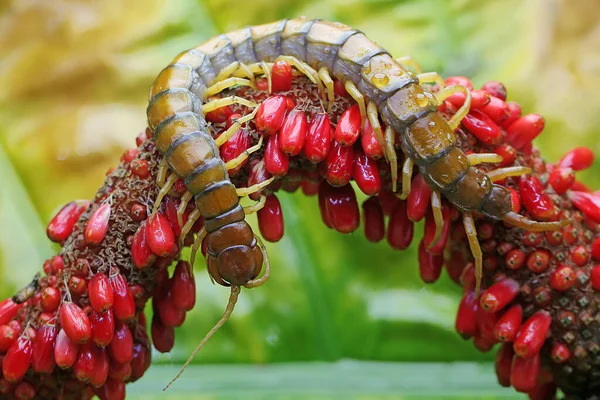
124,303
495,89
339,165
75,322
482,127
50,299
65,350
562,278
7,337
324,192
140,168
163,337
419,198
595,277
578,159
588,203
400,228
503,364
97,225
103,326
42,359
100,293
129,155
430,228
522,132
538,261
459,80
121,347
318,138
8,310
276,161
347,130
343,209
532,335
430,265
560,353
479,99
270,220
61,226
235,146
466,322
17,360
258,174
25,391
486,322
366,174
293,133
499,295
508,325
524,373
120,372
373,220
281,76
270,114
508,154
169,314
77,285
369,142
219,115
535,199
160,235
101,368
514,113
183,287
112,390
141,254
83,369
497,110
561,179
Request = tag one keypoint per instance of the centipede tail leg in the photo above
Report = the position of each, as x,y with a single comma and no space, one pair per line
443,94
256,206
226,101
436,207
163,191
241,192
480,158
226,84
410,62
233,298
235,126
185,200
231,164
390,138
358,97
328,82
373,116
260,281
407,172
503,173
470,230
431,77
523,222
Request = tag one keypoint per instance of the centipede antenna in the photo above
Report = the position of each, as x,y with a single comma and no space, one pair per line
523,222
233,298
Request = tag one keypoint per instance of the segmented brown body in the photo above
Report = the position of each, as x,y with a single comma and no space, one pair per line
175,116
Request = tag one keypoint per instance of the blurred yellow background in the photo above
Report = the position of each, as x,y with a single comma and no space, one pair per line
74,79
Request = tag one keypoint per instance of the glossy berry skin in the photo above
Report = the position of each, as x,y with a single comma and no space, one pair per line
75,322
100,293
318,138
124,303
65,350
271,114
17,360
43,349
270,220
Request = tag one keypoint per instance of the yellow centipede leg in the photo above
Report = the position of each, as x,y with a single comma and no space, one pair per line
231,164
407,172
194,215
469,224
373,116
161,175
480,158
390,139
358,97
328,82
241,192
225,101
256,206
227,71
226,84
502,173
306,70
410,62
258,282
463,110
235,126
436,207
196,247
244,71
163,192
185,199
267,71
431,77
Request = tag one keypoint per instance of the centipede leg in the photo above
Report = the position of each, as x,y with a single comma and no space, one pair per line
358,97
226,101
241,192
196,246
503,173
227,71
471,231
520,221
410,62
306,70
256,206
267,71
233,297
436,207
163,192
373,116
260,281
463,110
244,71
194,215
390,138
226,84
432,77
161,175
235,126
231,164
185,199
328,82
407,172
480,158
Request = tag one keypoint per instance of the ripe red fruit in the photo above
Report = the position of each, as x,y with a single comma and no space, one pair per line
140,168
532,335
339,165
86,360
343,209
163,337
369,142
103,327
366,174
17,360
482,127
538,261
535,199
430,227
497,110
508,154
235,146
7,337
77,285
124,303
293,133
50,299
459,80
141,254
219,115
169,314
495,89
61,226
595,277
112,390
560,353
373,220
281,76
101,368
486,322
324,193
562,278
479,99
466,321
270,220
524,373
159,235
503,364
561,179
514,113
129,155
508,325
183,287
419,198
270,114
97,225
588,203
276,161
120,372
430,265
42,359
8,310
400,228
499,295
100,293
318,138
347,130
75,322
578,159
65,350
522,132
258,174
121,347
24,391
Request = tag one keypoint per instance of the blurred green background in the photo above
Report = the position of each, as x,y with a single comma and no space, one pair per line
74,78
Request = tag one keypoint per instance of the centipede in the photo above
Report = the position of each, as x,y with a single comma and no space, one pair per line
394,102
